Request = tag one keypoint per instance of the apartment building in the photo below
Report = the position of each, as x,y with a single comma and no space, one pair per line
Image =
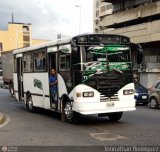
139,20
101,9
17,35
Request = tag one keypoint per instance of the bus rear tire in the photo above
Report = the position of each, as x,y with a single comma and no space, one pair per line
29,104
68,114
115,116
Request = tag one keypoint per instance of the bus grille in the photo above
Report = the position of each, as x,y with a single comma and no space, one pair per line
108,87
108,91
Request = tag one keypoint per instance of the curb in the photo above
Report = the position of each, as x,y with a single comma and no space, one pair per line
1,118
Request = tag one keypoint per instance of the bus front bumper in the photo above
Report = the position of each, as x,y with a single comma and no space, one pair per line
87,108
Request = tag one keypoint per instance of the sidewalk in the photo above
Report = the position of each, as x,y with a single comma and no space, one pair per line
1,118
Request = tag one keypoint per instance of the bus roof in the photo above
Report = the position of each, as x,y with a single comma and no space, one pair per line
60,42
39,46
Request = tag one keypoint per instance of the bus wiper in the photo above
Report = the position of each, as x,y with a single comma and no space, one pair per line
117,70
95,48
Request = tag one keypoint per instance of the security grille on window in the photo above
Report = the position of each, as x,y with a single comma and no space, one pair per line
28,63
65,62
26,38
39,61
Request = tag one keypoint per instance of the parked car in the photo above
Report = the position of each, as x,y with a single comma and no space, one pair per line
154,95
141,93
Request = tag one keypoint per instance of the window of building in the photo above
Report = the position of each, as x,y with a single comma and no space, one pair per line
152,59
108,6
28,63
97,13
25,28
40,61
97,4
103,8
65,62
26,38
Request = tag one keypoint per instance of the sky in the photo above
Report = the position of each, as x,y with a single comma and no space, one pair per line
49,17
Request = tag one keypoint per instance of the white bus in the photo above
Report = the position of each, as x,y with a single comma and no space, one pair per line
94,73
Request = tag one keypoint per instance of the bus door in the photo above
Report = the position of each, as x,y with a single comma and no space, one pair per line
52,65
20,78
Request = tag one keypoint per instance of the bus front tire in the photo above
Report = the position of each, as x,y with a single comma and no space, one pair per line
29,104
68,114
115,116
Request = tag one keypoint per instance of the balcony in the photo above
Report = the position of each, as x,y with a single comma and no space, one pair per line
141,33
133,14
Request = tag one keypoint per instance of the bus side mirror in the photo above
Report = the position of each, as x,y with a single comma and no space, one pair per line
139,54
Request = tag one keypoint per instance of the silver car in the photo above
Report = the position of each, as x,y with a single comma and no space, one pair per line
154,95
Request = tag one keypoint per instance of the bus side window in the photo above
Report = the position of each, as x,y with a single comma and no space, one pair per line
68,62
65,62
28,63
39,61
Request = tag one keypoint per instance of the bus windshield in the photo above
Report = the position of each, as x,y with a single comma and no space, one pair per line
113,54
98,57
120,56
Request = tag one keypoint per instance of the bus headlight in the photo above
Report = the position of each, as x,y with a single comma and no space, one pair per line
78,94
88,94
128,92
136,94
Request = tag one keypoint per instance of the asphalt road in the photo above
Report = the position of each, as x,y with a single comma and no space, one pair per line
44,128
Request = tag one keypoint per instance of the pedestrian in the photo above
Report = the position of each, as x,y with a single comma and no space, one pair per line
53,87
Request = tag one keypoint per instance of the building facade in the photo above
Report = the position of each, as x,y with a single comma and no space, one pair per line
17,35
101,10
139,20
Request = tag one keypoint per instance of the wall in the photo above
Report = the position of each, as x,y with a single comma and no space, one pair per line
148,79
38,41
141,33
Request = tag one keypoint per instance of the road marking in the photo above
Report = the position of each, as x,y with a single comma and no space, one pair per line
6,121
107,136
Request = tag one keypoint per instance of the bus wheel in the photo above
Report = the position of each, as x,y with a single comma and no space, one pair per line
115,116
69,114
63,116
29,104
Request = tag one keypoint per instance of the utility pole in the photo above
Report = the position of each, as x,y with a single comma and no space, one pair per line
12,18
79,6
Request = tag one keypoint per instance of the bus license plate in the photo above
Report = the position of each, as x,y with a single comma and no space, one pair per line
110,104
144,97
